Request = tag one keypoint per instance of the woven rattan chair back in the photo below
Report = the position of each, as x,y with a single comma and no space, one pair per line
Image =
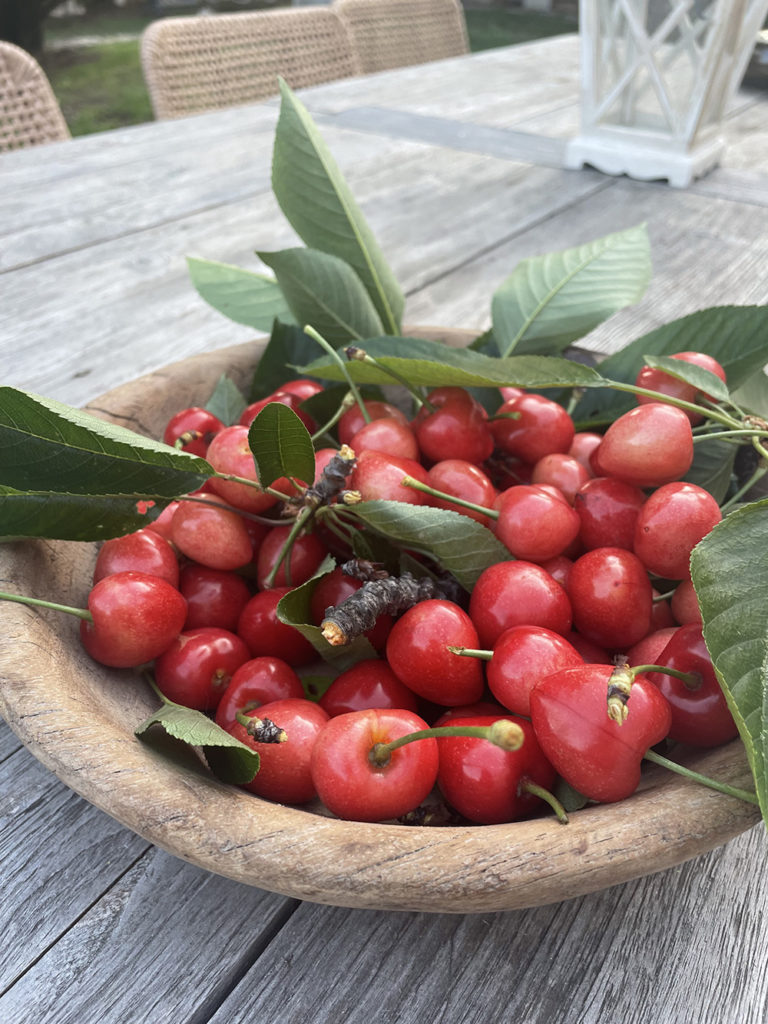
194,64
396,33
29,111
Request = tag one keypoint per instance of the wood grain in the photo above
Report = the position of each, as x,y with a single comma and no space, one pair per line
81,728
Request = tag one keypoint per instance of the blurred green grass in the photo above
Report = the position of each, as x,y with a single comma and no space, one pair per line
101,86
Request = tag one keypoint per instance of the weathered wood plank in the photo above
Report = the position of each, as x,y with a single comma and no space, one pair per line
165,943
58,856
9,743
670,947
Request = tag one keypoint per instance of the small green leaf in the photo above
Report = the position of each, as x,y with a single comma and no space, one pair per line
550,301
49,447
752,396
729,569
319,205
703,380
229,759
281,445
227,401
736,336
241,295
85,517
459,544
324,291
431,364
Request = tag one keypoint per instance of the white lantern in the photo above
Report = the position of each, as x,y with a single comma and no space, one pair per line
657,76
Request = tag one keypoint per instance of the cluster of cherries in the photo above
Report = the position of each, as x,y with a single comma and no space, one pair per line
486,698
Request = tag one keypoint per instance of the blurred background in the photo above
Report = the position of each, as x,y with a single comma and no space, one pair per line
90,48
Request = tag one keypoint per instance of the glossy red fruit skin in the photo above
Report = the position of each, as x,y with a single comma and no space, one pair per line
197,667
562,471
216,537
685,603
378,475
594,754
670,525
648,650
463,480
648,446
658,380
353,420
257,681
700,716
483,782
608,510
386,434
194,421
611,597
266,636
284,774
135,617
353,788
541,428
230,453
455,428
534,524
517,593
143,550
521,656
368,684
417,652
307,552
301,386
215,597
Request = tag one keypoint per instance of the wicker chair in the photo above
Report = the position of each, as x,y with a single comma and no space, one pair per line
194,64
29,111
396,33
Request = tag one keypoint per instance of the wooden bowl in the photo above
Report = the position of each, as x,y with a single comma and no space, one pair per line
78,718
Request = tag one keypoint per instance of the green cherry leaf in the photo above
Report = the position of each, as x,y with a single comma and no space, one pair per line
281,445
703,380
49,447
459,544
318,203
241,295
324,291
729,569
550,301
227,401
85,517
288,345
228,758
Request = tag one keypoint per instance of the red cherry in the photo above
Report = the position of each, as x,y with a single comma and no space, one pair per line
266,635
534,523
611,597
196,668
229,453
670,525
368,684
463,480
386,434
685,603
135,617
594,754
563,471
306,554
353,419
539,428
647,446
215,597
608,510
521,657
301,386
700,714
378,476
453,425
257,681
196,426
210,535
143,550
484,783
517,593
417,651
352,786
284,774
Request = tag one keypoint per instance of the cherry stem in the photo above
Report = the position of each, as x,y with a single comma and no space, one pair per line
262,730
707,413
331,351
81,613
298,526
359,355
345,404
529,786
417,485
471,652
252,483
502,733
692,680
721,787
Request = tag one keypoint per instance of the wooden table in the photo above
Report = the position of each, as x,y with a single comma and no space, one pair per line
458,168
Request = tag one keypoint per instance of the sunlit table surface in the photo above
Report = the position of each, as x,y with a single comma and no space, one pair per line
458,168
